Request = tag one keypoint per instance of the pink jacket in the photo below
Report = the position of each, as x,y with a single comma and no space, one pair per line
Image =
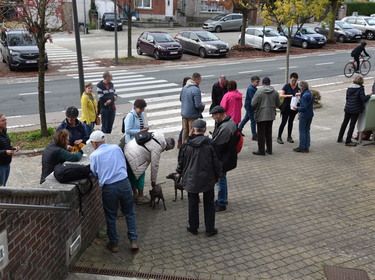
232,103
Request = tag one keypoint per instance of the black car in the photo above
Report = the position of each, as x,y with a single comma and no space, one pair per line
19,49
344,32
159,45
108,22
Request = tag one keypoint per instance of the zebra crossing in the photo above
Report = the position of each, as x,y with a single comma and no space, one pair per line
162,97
67,59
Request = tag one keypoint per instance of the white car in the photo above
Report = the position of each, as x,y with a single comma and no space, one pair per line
268,41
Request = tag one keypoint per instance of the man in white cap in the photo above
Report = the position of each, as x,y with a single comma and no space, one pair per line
107,163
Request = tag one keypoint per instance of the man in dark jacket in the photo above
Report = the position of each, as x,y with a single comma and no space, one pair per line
218,90
224,137
200,170
356,53
106,101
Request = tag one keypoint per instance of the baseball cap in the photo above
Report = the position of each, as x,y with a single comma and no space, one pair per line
96,136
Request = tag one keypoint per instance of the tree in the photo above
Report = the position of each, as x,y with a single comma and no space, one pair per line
128,8
334,6
291,13
37,17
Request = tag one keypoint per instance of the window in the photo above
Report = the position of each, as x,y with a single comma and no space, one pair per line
185,34
258,32
250,31
144,4
351,20
150,38
193,36
212,8
237,16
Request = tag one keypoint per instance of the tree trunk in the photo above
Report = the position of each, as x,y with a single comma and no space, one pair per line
243,28
331,29
130,33
287,58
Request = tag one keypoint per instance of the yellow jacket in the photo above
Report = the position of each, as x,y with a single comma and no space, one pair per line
89,108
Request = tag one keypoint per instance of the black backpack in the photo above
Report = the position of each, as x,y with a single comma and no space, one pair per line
143,137
123,125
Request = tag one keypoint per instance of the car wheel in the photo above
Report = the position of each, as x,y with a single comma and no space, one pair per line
241,28
4,60
139,50
202,52
11,68
304,45
341,39
218,29
156,55
369,35
267,47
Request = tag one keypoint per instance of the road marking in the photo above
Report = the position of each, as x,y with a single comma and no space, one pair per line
328,84
115,80
76,69
229,63
147,87
32,93
290,67
210,123
14,117
206,76
296,57
145,93
317,79
141,83
368,78
265,60
163,113
324,63
325,54
334,90
250,71
159,99
197,66
21,125
171,104
114,73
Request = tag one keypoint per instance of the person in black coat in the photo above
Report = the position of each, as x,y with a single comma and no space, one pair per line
355,99
218,90
356,53
200,170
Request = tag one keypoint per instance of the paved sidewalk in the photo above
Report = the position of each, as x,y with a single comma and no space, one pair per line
288,214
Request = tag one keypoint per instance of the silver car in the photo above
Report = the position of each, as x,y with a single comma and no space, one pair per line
266,39
203,43
364,23
223,22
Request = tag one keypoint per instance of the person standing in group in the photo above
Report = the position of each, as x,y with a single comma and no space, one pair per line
200,170
56,152
306,115
265,102
355,99
106,103
107,163
191,104
224,137
287,92
6,151
89,108
135,122
251,90
218,90
232,102
77,131
179,141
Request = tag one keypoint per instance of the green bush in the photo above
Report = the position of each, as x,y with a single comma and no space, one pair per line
35,135
91,25
363,8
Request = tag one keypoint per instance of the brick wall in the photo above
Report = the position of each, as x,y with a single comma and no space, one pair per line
37,239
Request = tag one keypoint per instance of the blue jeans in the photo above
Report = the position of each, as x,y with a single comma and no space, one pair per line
249,116
112,194
108,117
4,174
304,133
89,127
222,190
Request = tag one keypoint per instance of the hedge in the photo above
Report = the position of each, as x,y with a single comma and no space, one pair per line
363,8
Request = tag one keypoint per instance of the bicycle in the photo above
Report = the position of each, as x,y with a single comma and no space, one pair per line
364,67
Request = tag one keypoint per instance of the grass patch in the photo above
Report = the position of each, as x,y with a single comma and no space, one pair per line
29,140
130,60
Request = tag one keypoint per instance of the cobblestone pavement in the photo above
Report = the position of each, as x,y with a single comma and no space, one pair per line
288,213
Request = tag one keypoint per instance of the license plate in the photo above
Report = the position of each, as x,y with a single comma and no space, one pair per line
173,52
223,50
320,42
358,36
31,61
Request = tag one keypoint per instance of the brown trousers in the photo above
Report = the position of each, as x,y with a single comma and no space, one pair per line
188,126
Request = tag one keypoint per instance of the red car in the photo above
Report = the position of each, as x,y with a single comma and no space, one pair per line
159,45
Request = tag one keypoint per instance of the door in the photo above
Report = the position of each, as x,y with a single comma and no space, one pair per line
149,44
257,39
227,23
169,8
249,37
194,43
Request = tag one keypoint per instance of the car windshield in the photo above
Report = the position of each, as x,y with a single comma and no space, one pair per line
111,17
370,21
218,17
21,40
307,30
271,33
163,38
344,25
207,36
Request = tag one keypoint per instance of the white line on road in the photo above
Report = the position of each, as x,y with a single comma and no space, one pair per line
328,84
250,71
339,89
140,83
171,104
290,67
197,66
210,123
207,76
229,63
324,63
145,93
325,54
33,93
296,57
21,125
147,87
100,74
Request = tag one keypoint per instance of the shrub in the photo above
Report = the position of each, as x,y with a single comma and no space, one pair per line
363,8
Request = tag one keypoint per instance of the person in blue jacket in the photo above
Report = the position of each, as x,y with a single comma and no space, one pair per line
306,115
77,131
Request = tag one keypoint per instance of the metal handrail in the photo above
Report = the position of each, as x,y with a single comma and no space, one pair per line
33,207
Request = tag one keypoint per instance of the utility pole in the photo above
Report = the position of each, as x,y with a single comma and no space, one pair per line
78,48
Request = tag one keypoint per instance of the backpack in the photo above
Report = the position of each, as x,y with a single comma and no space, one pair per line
123,125
143,137
239,141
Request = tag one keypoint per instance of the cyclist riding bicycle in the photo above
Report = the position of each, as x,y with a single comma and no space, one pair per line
356,53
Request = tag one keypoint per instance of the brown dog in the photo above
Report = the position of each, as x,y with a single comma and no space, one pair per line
177,185
156,193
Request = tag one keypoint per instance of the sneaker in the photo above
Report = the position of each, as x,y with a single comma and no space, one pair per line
351,144
192,230
219,208
113,247
280,141
143,200
339,140
211,233
257,153
269,152
290,140
299,150
134,244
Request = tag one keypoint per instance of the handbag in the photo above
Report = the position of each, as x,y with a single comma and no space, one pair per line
97,120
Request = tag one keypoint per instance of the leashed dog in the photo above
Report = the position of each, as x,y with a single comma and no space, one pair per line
177,185
156,193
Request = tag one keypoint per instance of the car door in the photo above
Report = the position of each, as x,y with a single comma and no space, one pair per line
237,22
249,37
360,24
227,23
149,44
182,39
257,39
4,47
194,43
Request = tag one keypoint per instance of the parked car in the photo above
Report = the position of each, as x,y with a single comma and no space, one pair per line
269,40
223,22
108,22
306,37
203,43
344,32
159,45
364,23
19,49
